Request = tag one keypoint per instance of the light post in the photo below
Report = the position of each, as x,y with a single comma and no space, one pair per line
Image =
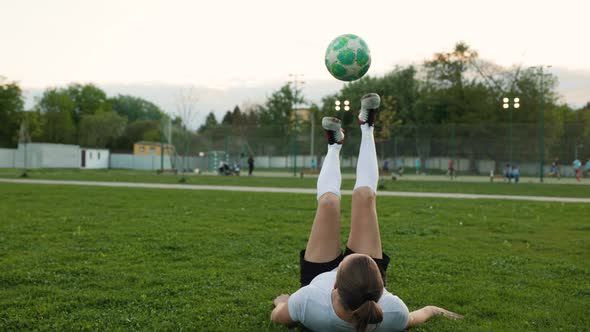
295,79
506,106
542,122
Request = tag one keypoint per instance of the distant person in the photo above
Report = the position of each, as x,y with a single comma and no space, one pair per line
508,173
224,168
417,164
250,165
345,290
577,164
554,171
451,168
400,167
313,164
235,168
386,166
515,174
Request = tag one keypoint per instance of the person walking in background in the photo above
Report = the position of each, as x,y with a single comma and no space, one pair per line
250,165
386,166
451,169
417,163
577,164
400,167
508,173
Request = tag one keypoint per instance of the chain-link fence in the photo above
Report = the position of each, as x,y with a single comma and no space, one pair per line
474,148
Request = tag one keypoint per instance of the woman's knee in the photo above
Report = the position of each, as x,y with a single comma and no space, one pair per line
329,201
364,193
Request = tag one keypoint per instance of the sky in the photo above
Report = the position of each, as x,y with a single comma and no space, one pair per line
222,46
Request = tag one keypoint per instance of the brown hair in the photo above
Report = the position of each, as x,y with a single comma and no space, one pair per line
360,286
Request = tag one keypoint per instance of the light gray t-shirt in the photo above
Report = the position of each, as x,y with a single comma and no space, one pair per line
312,306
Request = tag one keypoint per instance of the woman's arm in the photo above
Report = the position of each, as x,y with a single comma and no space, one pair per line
280,314
420,316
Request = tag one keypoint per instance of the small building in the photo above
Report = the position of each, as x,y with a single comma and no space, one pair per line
144,148
47,155
94,158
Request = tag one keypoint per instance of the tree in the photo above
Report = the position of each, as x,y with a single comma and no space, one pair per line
386,119
227,119
88,99
140,130
186,110
34,122
58,109
135,109
11,106
277,112
236,115
101,129
210,123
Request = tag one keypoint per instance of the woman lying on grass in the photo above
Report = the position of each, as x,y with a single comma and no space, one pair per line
346,291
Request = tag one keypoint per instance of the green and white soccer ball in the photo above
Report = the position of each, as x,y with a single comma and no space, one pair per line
348,57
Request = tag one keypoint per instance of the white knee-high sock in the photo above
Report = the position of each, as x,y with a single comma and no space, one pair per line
367,168
330,179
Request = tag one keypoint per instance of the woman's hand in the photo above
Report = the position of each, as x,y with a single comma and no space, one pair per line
422,315
444,312
280,313
283,298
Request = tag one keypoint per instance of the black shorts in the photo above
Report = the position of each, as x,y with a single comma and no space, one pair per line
311,270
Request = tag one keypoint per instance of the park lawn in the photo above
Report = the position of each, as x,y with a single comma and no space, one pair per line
92,258
528,189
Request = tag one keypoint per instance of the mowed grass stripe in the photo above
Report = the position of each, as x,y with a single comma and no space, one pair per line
521,189
94,258
294,190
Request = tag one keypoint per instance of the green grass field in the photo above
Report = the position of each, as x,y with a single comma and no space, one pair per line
530,189
90,258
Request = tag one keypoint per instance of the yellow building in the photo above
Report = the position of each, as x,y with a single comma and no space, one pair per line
303,114
144,148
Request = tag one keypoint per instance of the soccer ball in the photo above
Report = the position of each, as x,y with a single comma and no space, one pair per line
348,57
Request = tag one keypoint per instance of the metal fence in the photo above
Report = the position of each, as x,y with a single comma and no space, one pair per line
475,148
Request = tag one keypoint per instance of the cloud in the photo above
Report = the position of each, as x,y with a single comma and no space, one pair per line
574,86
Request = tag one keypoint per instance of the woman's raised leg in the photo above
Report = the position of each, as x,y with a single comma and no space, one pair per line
324,240
364,237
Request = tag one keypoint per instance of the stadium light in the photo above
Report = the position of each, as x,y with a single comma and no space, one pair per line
346,104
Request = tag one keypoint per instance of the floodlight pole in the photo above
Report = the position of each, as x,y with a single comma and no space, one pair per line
311,147
296,79
453,141
542,125
161,148
506,105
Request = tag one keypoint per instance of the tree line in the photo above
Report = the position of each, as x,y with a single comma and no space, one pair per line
78,114
454,97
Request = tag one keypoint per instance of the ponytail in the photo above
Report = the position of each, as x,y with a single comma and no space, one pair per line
360,286
368,313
